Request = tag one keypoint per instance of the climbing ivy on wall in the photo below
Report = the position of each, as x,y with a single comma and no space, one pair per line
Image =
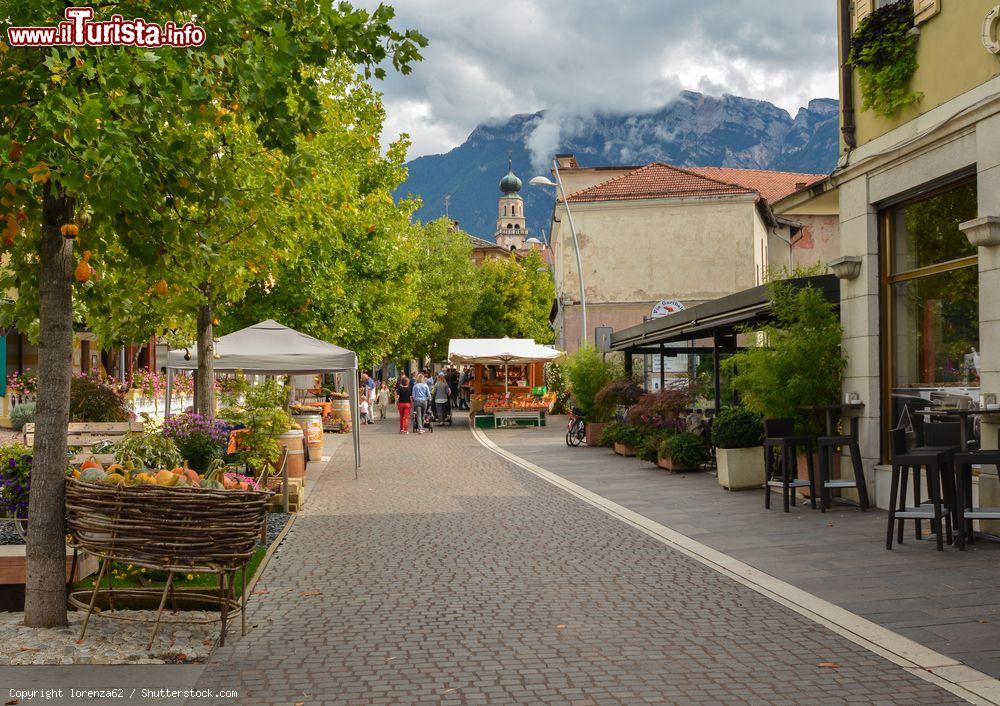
884,52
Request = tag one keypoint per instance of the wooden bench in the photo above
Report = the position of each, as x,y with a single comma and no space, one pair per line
504,418
85,434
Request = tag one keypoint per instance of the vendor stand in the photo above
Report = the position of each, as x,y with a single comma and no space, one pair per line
268,348
508,379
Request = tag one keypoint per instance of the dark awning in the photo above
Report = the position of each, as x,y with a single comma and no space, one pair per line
748,307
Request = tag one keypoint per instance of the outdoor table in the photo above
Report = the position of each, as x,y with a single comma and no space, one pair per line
963,414
829,410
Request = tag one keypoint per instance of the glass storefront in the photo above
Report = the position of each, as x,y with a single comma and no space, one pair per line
931,304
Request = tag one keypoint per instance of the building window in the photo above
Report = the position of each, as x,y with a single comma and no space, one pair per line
930,294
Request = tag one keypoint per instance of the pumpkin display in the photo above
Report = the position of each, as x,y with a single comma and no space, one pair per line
92,475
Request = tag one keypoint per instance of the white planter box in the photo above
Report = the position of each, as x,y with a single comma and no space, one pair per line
740,469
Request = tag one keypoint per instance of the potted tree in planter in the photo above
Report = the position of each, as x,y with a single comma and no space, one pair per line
588,372
738,437
682,452
800,363
659,415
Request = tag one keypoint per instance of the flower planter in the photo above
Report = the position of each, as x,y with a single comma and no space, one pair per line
623,450
667,463
594,431
741,469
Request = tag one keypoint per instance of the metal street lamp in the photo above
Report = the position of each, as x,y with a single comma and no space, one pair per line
561,193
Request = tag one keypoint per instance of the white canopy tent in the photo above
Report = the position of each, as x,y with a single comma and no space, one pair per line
268,348
499,351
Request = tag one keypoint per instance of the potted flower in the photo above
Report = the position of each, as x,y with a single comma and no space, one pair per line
649,449
682,452
738,437
628,439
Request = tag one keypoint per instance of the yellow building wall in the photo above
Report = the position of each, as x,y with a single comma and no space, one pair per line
952,60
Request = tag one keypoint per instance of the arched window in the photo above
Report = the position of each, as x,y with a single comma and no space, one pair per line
510,226
505,210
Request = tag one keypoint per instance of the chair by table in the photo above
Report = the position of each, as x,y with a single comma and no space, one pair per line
827,446
936,457
965,511
779,436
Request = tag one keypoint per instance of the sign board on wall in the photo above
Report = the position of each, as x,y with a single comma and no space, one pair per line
666,307
675,364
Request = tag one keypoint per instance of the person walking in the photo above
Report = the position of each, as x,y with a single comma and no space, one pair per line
403,404
442,397
421,396
382,400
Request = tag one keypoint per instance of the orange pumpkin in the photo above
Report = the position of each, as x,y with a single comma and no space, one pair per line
191,475
91,463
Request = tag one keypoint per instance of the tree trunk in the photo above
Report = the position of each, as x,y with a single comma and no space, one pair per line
45,587
204,398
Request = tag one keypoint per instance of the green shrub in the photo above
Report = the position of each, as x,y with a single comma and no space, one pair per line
738,428
21,415
630,436
94,400
685,450
555,380
587,373
610,434
649,449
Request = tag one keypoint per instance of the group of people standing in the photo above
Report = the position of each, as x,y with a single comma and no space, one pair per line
414,398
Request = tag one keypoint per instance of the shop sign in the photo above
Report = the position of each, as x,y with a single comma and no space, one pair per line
666,307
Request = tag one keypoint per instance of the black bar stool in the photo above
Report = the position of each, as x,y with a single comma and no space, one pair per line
936,459
965,512
827,446
779,434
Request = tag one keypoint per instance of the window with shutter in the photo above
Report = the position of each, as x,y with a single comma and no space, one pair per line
923,10
862,8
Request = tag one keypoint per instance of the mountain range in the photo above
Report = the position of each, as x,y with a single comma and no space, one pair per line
694,130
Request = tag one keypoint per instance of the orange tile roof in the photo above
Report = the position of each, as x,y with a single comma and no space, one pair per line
773,186
657,181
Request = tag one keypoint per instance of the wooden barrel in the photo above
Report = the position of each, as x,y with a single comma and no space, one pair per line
293,441
312,428
341,409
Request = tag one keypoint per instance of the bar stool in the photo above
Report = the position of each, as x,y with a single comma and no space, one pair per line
965,512
827,446
780,434
936,460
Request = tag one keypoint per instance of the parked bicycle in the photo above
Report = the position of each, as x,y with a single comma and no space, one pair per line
576,432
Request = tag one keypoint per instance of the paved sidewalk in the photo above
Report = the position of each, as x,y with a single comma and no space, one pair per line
946,601
448,575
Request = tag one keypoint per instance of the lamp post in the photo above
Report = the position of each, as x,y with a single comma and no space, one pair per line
561,193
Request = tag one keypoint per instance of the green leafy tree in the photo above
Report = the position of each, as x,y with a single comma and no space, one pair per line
355,279
799,363
515,298
448,293
105,137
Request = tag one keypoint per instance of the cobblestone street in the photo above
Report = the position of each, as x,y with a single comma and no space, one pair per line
447,575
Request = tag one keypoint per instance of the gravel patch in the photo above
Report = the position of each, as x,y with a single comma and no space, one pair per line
108,641
9,535
276,522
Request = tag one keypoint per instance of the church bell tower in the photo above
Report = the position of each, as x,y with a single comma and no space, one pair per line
511,229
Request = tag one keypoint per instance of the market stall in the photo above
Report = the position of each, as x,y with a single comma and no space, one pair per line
508,380
268,348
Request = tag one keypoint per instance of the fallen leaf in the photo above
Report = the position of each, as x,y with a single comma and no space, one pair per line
12,702
828,665
262,592
560,625
311,593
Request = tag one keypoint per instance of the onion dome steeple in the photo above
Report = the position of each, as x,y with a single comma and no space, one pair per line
510,184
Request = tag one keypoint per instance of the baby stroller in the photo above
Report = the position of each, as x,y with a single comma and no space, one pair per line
432,412
428,420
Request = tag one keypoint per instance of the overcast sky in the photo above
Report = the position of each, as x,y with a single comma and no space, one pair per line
490,59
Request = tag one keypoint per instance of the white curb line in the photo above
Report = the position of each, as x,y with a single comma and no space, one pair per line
969,684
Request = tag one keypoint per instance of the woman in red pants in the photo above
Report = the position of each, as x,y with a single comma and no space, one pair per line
404,404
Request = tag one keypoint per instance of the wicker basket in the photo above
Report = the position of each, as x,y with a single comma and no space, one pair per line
180,529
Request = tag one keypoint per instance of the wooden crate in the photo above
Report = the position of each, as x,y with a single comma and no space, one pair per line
86,434
296,496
